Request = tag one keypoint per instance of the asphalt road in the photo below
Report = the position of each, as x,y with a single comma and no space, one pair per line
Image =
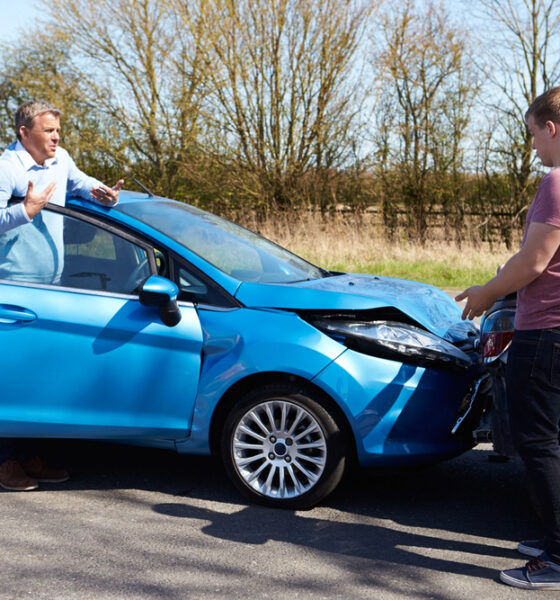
137,523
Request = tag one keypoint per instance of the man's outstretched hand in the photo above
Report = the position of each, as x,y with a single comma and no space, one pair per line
106,195
478,299
35,202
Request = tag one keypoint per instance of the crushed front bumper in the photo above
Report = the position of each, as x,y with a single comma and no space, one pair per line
476,403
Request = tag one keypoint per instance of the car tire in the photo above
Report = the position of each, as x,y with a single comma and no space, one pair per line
282,447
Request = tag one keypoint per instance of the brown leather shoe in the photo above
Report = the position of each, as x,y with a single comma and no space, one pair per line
13,477
39,470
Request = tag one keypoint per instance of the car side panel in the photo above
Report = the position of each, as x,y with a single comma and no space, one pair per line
94,365
398,413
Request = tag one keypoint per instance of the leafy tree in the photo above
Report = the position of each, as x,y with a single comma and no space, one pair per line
42,70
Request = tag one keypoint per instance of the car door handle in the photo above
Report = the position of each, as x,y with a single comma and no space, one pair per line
15,314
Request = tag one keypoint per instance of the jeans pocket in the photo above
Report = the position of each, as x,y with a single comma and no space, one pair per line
555,365
524,349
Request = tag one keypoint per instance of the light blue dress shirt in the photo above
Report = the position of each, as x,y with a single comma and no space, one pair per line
33,250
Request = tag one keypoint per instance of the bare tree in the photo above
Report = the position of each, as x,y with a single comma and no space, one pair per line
524,62
426,94
129,51
285,94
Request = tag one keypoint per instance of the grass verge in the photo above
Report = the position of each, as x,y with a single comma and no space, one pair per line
351,243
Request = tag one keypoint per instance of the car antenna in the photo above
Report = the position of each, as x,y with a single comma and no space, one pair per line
126,171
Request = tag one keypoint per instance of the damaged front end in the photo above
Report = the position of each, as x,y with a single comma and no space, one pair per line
390,334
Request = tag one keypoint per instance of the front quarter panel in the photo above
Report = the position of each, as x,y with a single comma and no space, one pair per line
273,342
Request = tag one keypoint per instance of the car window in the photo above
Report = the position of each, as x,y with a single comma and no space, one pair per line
194,288
60,250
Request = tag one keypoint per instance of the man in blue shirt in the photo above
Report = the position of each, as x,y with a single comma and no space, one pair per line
35,170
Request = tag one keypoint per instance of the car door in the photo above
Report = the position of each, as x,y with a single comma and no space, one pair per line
81,357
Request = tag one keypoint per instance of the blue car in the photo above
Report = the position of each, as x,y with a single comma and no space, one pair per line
159,324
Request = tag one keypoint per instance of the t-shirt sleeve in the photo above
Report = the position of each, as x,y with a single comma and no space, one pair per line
547,200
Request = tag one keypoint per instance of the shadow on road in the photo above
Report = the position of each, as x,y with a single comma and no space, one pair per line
468,496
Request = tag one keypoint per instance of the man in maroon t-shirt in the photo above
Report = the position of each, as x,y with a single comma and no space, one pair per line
533,369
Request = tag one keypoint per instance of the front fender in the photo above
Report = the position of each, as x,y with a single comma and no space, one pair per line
229,357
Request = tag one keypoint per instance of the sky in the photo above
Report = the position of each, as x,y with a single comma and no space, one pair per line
13,16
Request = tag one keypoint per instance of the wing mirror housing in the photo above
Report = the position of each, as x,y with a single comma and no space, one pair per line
162,293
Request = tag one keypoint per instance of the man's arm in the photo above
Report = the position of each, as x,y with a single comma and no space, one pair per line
88,187
23,212
34,203
106,195
540,245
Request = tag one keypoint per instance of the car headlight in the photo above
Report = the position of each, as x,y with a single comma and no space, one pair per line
395,341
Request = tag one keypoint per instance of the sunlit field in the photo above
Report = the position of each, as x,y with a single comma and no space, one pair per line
348,243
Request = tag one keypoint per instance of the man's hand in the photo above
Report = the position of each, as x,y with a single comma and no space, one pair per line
34,203
106,195
478,301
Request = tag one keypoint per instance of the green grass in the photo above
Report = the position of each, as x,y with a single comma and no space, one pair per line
448,276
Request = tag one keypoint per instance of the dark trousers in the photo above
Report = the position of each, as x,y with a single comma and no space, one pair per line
533,389
18,449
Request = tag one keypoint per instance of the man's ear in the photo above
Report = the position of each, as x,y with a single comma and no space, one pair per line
552,128
23,131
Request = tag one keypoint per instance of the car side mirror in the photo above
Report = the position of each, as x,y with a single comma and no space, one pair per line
159,291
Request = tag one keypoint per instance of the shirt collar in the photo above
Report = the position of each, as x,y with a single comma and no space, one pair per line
28,161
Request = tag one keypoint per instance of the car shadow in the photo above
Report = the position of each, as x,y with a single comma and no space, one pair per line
408,516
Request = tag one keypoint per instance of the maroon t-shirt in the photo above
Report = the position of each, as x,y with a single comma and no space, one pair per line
538,303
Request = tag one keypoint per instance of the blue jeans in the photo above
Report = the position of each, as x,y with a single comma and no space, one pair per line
533,389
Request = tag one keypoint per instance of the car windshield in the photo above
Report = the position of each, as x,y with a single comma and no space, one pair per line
233,249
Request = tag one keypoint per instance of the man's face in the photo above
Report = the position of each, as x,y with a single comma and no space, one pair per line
41,140
542,140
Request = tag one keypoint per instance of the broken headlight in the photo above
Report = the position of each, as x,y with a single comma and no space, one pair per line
395,341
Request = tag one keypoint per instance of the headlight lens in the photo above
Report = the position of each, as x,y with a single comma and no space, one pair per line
395,341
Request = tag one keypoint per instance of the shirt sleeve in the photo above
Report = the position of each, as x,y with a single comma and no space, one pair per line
14,215
79,183
547,200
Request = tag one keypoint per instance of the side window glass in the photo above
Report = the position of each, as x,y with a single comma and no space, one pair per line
60,250
161,263
194,288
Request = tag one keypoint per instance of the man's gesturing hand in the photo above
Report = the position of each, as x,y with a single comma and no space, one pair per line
33,203
478,301
106,195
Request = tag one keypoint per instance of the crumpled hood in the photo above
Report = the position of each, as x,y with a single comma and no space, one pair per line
426,304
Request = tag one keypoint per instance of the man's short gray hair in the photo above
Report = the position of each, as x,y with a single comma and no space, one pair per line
31,109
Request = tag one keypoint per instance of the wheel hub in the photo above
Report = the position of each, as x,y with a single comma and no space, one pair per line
280,449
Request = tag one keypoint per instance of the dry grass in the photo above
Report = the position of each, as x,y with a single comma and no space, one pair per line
355,244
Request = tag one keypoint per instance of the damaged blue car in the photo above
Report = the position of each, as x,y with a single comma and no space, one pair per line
159,324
